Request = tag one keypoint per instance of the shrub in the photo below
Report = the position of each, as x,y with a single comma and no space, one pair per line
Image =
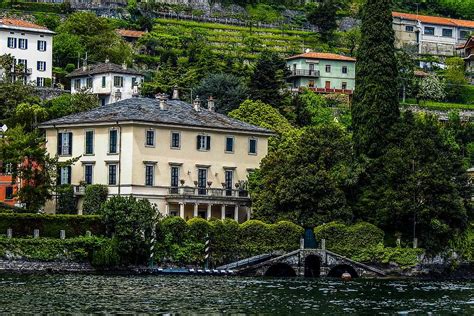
66,200
286,235
94,198
198,229
50,225
44,249
404,257
256,238
106,255
349,240
132,222
225,242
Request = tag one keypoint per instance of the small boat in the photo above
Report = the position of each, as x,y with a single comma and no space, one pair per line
346,276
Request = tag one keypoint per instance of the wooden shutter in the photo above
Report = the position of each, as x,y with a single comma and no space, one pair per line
70,143
198,144
69,169
60,143
208,143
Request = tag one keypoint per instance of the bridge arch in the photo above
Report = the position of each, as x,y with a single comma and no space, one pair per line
312,266
337,271
280,270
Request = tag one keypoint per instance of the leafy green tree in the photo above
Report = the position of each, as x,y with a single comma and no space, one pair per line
132,222
50,20
66,200
67,104
375,105
419,187
456,81
228,91
95,196
95,35
268,79
26,152
324,15
28,115
305,182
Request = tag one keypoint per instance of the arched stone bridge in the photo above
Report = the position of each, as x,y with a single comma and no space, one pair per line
309,263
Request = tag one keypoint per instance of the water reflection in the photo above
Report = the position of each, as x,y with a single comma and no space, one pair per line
204,295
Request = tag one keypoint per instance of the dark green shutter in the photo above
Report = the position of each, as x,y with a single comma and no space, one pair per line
208,143
60,143
70,144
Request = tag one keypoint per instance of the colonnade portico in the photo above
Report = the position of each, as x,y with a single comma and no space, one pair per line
188,210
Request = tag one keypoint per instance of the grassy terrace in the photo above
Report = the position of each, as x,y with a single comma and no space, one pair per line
235,40
440,106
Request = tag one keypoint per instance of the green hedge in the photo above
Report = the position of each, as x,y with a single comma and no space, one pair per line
183,242
50,225
82,249
348,240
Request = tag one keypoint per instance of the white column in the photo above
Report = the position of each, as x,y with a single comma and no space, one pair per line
181,210
196,206
167,209
236,213
223,212
209,211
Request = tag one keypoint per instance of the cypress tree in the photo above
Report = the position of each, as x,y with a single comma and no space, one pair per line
375,104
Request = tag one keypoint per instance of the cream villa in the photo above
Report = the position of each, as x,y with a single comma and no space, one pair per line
187,159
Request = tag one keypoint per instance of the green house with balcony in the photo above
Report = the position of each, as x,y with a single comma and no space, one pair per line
322,72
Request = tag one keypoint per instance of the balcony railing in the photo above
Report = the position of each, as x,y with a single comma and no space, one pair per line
79,190
213,192
328,90
304,73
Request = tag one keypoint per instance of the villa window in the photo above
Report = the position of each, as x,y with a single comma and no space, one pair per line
463,34
344,69
447,33
229,180
175,140
328,68
89,150
149,173
150,138
252,146
23,43
103,81
65,175
229,144
41,65
9,193
409,28
41,45
174,176
202,181
11,42
113,135
311,84
88,170
344,86
40,82
65,144
89,83
429,30
203,142
112,174
118,81
77,84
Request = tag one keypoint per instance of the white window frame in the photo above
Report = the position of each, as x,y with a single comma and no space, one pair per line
148,165
23,43
171,140
146,137
118,84
92,172
41,45
64,175
116,173
41,65
11,42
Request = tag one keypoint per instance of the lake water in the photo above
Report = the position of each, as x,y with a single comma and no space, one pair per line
214,295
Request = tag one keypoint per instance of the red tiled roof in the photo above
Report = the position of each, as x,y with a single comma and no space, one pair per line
434,19
21,23
469,42
130,33
328,56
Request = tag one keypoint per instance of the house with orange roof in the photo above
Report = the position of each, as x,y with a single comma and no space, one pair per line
31,46
130,35
466,52
430,35
322,72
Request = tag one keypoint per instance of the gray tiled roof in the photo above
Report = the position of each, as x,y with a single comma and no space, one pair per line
148,110
102,68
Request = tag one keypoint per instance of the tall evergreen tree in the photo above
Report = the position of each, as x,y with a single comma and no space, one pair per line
375,105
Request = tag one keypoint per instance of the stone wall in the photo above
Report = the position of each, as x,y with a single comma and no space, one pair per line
24,266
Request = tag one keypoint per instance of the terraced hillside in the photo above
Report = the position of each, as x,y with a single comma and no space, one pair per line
238,41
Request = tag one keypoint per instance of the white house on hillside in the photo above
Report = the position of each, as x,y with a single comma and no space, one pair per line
31,46
110,82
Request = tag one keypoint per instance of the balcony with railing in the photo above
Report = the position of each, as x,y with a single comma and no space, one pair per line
330,90
304,73
207,192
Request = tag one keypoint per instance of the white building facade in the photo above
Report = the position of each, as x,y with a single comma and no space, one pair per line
430,35
110,82
31,46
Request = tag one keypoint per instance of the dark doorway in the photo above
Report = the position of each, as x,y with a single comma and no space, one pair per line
337,271
309,239
312,266
280,270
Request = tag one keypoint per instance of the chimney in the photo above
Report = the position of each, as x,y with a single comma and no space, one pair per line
163,104
197,104
107,60
175,94
124,65
135,91
210,104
